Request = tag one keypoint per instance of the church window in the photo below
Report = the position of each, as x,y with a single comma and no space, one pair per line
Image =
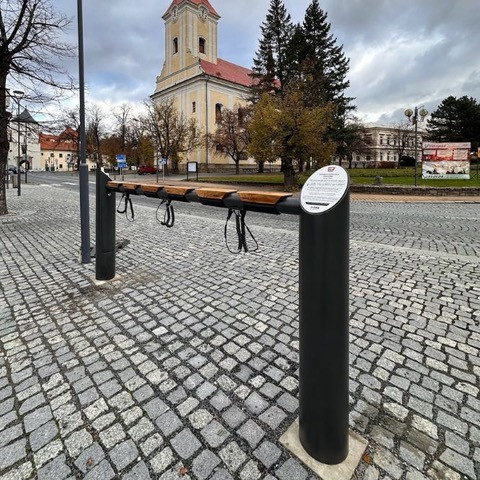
194,107
218,112
175,45
201,45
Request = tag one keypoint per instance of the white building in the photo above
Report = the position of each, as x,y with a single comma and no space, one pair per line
388,144
27,130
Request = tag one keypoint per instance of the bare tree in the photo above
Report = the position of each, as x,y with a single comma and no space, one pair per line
94,133
402,138
30,56
232,136
172,134
122,116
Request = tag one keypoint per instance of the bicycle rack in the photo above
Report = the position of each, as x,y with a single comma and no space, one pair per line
323,295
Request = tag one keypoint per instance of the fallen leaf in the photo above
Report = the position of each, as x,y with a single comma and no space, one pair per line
367,458
183,471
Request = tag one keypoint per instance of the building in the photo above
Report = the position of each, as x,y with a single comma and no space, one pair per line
388,144
25,129
60,152
200,83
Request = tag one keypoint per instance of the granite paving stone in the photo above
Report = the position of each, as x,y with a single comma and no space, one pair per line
172,365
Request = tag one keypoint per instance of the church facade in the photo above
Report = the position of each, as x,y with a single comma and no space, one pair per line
200,83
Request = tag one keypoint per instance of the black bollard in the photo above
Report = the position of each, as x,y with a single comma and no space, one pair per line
324,307
104,229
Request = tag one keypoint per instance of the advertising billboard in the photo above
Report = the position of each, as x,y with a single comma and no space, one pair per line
446,160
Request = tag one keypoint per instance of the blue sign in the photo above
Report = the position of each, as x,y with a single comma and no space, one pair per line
121,160
164,160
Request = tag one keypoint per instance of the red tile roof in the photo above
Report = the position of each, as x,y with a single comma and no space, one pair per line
195,2
228,71
63,142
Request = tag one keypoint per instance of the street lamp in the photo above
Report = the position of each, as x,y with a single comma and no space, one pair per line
413,117
18,95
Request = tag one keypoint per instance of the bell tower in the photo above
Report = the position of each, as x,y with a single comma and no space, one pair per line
190,34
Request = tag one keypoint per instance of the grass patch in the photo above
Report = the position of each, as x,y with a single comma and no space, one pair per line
364,176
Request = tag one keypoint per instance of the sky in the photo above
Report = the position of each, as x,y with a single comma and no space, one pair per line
402,53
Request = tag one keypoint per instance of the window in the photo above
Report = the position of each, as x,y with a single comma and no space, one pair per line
218,112
175,45
194,107
201,45
381,139
60,166
60,155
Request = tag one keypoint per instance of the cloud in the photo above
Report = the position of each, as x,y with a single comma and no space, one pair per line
401,53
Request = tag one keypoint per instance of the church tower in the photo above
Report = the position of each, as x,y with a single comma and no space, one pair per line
190,34
200,84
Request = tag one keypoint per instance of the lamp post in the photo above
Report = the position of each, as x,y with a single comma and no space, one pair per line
413,117
83,167
18,95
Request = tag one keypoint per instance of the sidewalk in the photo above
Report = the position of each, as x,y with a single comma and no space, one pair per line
186,365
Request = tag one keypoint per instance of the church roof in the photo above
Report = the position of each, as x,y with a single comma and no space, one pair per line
195,2
228,71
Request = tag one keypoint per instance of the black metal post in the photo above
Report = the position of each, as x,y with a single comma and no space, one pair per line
415,120
324,307
104,229
83,167
19,177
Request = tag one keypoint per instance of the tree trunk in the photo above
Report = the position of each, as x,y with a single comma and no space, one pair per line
4,145
301,163
350,158
260,166
237,167
290,180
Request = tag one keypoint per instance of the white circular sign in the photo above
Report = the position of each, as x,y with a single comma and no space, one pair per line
324,189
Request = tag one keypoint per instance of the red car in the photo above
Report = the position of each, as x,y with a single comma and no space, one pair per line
146,169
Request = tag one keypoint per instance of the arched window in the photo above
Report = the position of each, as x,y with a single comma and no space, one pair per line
175,45
201,45
218,112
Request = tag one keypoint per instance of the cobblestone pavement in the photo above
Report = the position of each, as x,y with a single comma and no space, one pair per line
186,365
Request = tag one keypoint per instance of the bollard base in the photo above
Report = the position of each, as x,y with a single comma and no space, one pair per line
99,283
343,471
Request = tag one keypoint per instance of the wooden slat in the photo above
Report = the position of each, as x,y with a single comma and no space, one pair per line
114,184
266,198
151,187
214,193
173,190
130,185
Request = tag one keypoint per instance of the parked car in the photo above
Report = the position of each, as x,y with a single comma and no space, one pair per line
146,169
13,169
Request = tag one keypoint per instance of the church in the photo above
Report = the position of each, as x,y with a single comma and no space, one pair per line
200,83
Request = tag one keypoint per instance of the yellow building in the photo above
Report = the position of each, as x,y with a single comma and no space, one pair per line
200,83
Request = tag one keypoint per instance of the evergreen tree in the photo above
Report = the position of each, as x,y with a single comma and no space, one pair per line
271,63
456,120
325,66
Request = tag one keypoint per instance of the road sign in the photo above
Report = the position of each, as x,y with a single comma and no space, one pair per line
164,160
121,160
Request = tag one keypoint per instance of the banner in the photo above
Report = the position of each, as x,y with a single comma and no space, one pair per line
446,160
